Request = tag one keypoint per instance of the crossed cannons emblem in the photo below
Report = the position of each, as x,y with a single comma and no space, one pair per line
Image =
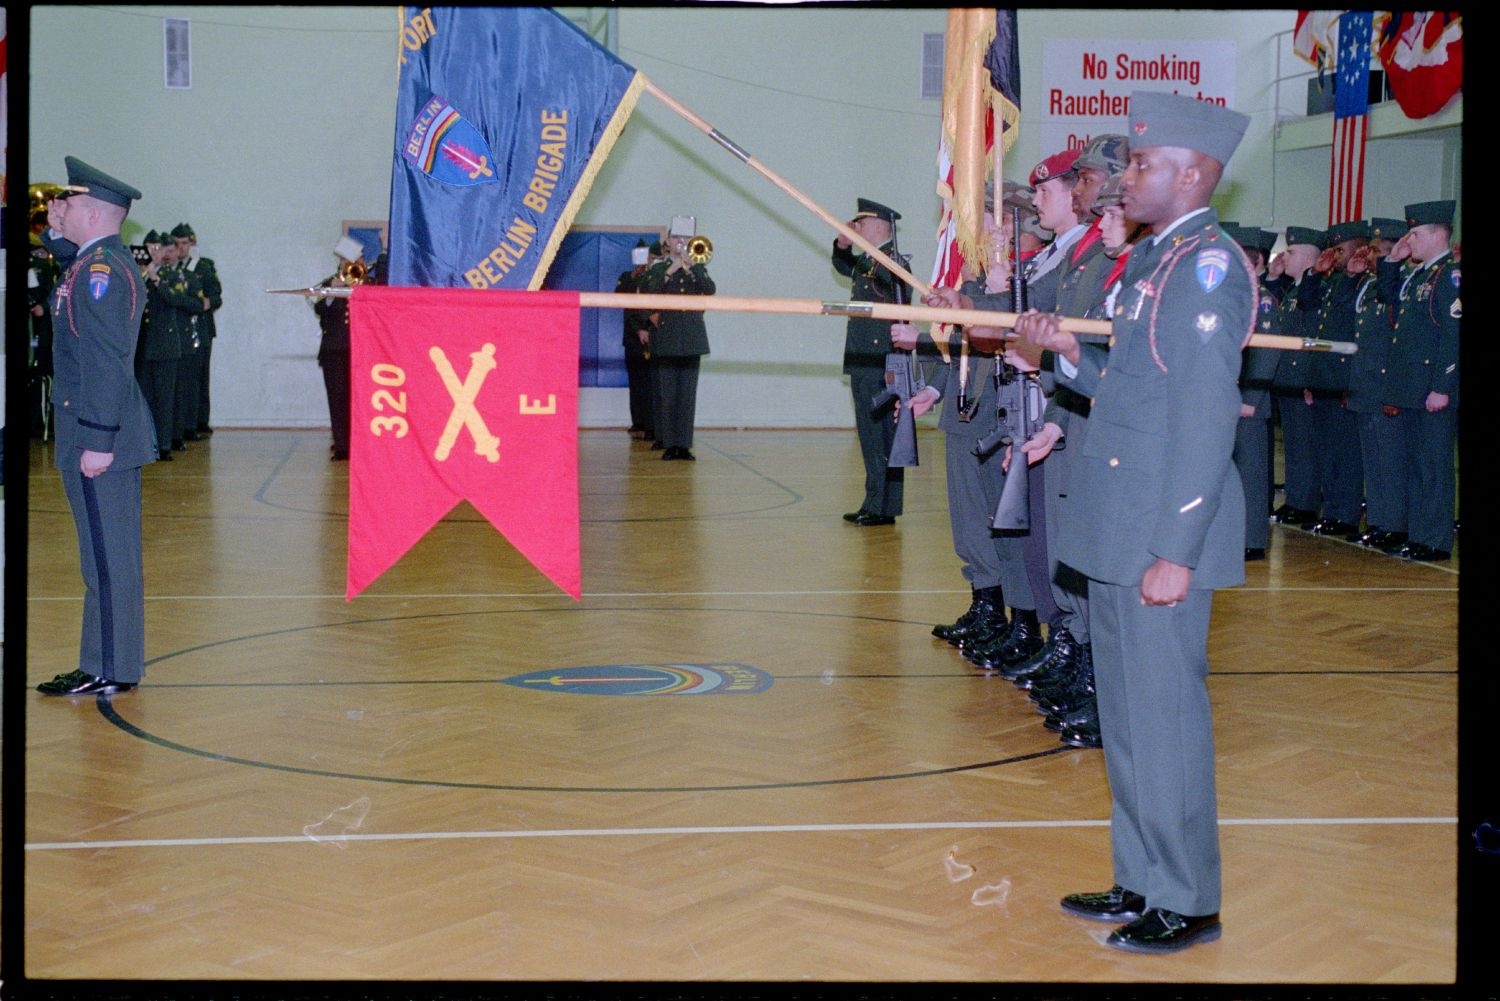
464,414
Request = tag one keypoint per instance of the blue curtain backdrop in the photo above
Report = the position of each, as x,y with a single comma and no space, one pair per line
592,261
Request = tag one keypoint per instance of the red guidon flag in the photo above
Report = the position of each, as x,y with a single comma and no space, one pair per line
462,394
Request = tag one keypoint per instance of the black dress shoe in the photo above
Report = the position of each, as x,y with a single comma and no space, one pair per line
1160,930
339,455
205,430
866,520
1422,553
178,445
669,454
1362,538
1388,542
683,453
1331,526
1086,737
191,436
1114,904
1252,555
854,516
1288,515
82,683
166,456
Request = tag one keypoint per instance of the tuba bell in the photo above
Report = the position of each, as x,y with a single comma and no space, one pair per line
700,250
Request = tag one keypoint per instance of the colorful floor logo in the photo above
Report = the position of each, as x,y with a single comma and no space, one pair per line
648,679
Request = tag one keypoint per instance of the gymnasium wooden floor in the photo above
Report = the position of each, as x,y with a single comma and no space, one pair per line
312,789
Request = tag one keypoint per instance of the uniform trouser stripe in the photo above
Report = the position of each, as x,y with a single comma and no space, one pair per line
102,582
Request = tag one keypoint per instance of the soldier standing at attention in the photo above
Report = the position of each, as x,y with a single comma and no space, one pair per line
103,424
201,268
866,343
1155,517
159,348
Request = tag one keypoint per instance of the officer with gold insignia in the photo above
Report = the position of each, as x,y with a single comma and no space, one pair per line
1155,517
103,425
866,343
1421,381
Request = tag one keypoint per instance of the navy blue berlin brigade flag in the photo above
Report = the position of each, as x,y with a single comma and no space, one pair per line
503,117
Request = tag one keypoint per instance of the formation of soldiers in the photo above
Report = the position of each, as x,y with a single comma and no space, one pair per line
177,332
1368,437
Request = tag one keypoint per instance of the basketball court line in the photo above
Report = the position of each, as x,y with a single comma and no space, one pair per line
609,832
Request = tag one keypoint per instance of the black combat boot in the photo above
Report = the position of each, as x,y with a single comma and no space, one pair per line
982,607
1076,692
988,634
1059,648
1023,640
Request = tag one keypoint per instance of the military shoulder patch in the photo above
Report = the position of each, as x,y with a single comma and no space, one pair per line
1453,277
98,279
1211,265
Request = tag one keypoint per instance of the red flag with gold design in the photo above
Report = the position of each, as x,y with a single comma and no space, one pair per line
461,394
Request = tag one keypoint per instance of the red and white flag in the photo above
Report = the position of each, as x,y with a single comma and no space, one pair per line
1423,56
463,394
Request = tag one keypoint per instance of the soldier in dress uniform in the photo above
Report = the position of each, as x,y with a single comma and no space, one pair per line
866,343
181,293
993,563
1289,391
334,349
636,336
207,275
103,424
159,349
1252,438
678,340
1421,381
1374,318
1155,517
1330,291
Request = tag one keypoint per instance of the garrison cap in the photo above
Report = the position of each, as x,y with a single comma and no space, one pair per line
1109,152
1387,229
181,230
152,237
1265,239
1340,232
655,248
868,209
1423,213
86,180
1302,234
1055,166
1161,119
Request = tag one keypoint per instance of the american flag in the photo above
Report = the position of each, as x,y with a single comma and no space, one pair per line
1351,118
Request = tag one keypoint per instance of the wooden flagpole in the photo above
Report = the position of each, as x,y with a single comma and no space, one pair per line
921,287
879,310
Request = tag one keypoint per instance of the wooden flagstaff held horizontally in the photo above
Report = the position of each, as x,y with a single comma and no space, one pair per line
651,302
921,287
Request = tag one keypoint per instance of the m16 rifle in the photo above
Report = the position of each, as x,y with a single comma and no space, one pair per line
903,380
1019,405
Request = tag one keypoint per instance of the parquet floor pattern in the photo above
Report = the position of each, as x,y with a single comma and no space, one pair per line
312,789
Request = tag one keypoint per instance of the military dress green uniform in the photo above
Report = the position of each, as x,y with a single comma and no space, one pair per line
866,343
1335,426
1295,316
1153,479
1423,360
1374,321
677,344
182,291
1252,436
206,275
98,407
637,358
158,353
